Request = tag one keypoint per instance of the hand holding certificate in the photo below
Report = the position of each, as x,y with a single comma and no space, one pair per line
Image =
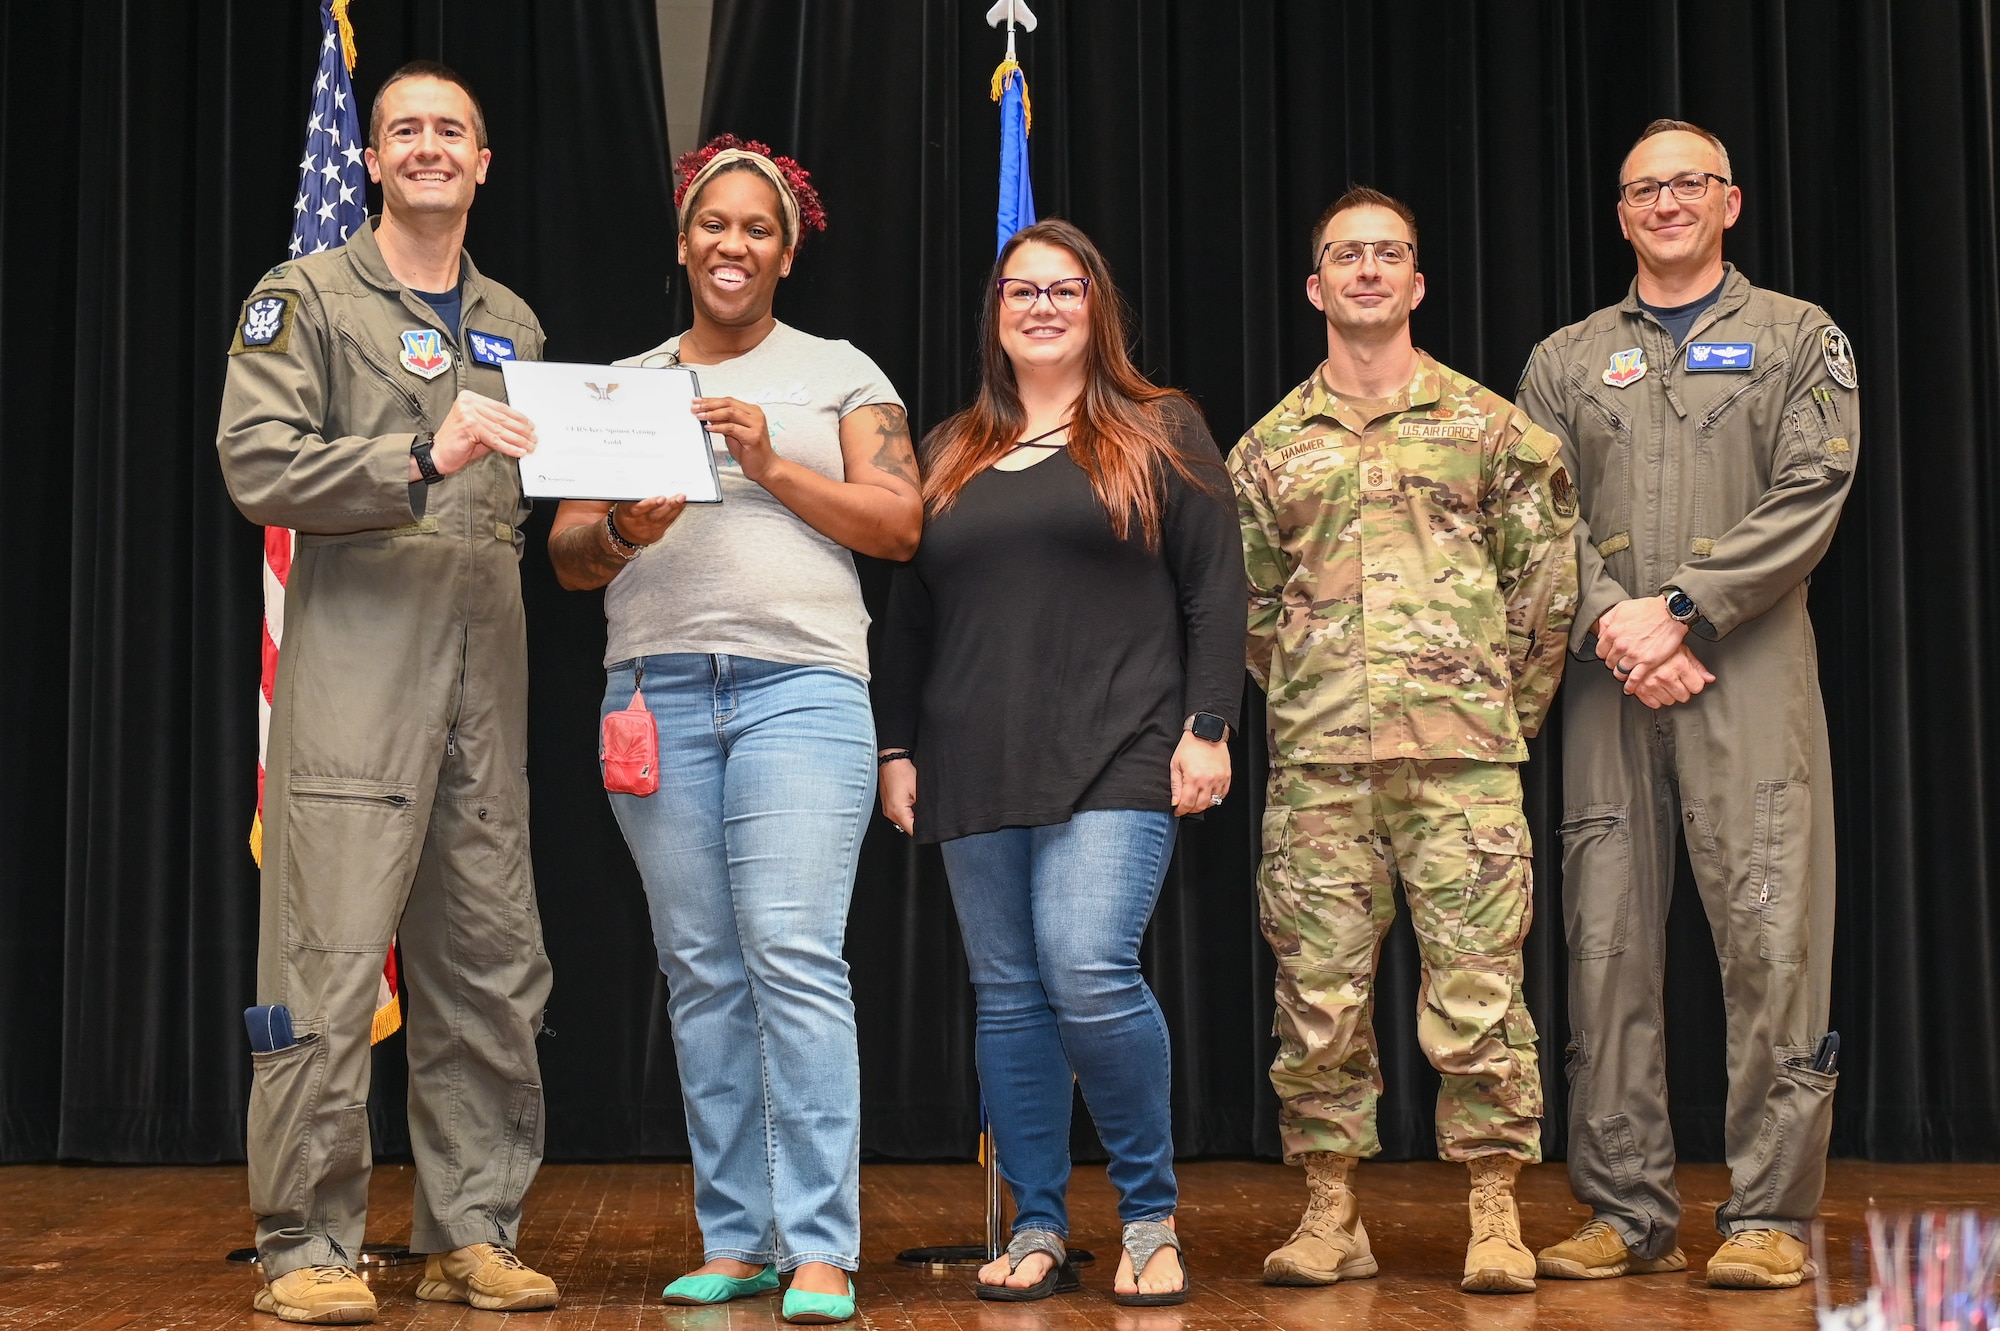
612,432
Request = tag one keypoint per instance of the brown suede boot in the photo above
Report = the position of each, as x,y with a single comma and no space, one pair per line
1331,1243
485,1275
1496,1261
320,1295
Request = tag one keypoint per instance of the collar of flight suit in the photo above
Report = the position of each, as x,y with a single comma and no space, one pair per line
366,255
1426,386
1736,291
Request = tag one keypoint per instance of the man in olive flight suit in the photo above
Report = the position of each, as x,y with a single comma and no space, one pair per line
1406,539
1711,426
360,414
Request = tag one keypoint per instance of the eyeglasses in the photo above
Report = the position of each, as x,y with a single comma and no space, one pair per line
1020,294
1388,253
1687,187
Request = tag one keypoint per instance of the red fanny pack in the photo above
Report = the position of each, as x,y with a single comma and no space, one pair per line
630,750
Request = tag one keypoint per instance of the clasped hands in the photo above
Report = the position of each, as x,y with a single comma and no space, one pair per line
1645,647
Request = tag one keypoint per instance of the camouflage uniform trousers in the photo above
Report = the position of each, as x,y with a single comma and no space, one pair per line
1337,838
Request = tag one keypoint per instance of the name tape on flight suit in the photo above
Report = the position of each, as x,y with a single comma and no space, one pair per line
489,348
1721,355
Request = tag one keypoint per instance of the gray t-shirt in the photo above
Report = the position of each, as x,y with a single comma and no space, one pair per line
747,577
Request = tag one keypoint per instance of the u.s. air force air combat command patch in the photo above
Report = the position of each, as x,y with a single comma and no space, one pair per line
1839,355
1627,367
266,325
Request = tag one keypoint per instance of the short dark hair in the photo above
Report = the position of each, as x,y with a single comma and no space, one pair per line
1360,196
426,69
1665,126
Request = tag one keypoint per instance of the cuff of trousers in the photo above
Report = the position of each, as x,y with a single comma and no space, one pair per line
1798,1229
793,1261
1634,1238
451,1240
315,1250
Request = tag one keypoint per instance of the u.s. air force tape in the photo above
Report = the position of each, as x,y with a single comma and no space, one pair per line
266,324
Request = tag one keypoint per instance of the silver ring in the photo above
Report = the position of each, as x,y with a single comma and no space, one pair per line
1214,800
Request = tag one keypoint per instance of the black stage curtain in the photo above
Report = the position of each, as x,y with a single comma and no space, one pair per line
147,168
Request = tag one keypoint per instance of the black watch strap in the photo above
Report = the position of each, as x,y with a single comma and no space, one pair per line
426,466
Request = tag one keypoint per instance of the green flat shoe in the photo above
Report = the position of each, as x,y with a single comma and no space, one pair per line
719,1288
805,1308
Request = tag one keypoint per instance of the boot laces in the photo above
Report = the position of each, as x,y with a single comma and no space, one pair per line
1489,1199
1323,1189
505,1257
329,1275
1592,1228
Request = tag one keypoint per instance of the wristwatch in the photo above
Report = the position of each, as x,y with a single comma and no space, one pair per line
421,451
1680,605
1206,726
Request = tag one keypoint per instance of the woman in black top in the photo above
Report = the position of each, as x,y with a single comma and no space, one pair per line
1061,662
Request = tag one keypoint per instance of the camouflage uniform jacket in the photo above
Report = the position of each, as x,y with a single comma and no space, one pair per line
1412,577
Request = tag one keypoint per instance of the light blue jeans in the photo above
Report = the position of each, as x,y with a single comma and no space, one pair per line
748,850
1052,919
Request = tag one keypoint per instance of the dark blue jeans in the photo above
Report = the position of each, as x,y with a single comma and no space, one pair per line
1052,919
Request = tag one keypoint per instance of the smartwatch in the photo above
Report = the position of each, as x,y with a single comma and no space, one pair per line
1680,605
1206,726
421,451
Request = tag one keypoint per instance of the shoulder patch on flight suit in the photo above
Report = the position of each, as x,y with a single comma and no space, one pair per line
266,324
1839,355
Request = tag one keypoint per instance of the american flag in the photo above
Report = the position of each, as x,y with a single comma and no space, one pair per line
332,202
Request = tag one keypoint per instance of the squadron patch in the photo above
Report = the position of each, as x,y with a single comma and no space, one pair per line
424,353
489,348
1833,345
1627,367
266,325
1562,491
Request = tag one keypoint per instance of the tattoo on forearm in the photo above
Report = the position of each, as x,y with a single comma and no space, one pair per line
582,553
895,456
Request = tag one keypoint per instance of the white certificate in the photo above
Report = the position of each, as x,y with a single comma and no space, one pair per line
612,432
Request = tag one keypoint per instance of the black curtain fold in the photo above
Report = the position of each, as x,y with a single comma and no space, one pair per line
147,159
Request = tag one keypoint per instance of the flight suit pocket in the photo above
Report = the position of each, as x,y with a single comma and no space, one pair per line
1776,886
1277,899
1499,894
284,1096
348,861
489,885
1788,1160
1597,880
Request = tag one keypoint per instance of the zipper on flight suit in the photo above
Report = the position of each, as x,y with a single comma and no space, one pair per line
408,398
1721,409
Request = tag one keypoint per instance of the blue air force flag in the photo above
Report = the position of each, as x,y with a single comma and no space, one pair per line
1017,190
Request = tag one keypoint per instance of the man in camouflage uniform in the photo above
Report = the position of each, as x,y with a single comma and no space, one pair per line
1712,428
1406,535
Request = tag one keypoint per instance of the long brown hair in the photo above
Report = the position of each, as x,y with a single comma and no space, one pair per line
1119,429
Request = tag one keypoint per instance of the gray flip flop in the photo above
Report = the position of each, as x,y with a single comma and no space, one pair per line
1141,1239
1060,1279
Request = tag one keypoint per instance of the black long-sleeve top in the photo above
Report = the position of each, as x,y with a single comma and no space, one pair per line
1037,666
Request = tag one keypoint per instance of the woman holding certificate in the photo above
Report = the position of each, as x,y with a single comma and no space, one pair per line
1061,664
740,627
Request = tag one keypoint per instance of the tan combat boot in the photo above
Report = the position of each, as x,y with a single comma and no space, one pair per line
1595,1252
485,1276
321,1295
1331,1243
1759,1259
1496,1261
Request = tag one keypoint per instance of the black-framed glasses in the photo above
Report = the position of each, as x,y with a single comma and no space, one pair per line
1347,253
1687,187
1018,293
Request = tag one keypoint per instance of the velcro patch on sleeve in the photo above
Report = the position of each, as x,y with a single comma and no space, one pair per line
266,324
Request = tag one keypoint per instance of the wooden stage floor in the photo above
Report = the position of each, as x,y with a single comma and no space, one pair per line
96,1248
